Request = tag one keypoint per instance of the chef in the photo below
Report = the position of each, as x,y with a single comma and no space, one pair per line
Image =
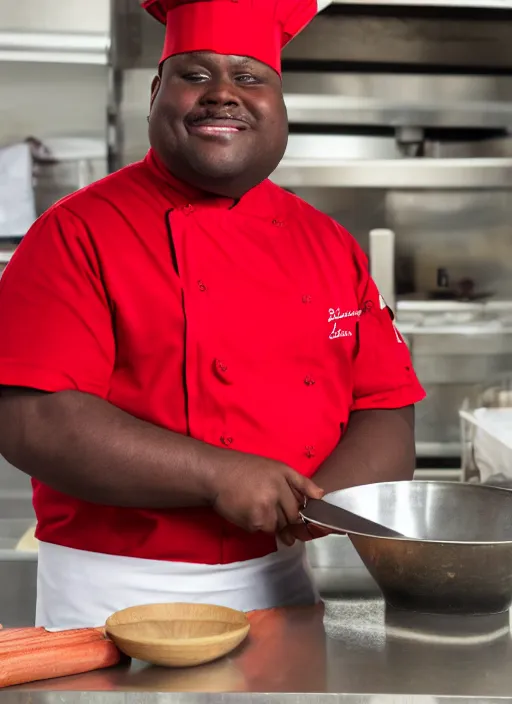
188,351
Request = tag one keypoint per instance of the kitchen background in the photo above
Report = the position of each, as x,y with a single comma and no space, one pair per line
400,115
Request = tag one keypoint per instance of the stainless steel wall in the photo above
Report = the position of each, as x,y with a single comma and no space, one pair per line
415,37
467,232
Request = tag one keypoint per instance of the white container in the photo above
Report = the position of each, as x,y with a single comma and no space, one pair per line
486,433
63,165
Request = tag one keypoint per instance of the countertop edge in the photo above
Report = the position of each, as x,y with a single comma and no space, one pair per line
28,696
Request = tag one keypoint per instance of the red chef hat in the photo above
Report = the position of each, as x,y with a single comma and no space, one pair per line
255,28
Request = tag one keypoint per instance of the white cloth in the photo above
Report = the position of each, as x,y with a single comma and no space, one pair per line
492,444
17,200
78,589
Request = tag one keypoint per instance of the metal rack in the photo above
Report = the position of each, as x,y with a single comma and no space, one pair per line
55,47
134,41
447,174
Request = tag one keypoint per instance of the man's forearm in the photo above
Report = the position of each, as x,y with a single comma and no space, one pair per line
85,447
378,446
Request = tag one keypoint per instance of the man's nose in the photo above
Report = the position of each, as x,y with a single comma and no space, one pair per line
220,93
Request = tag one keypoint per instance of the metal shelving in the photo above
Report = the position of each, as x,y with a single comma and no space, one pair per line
55,47
331,109
399,173
70,48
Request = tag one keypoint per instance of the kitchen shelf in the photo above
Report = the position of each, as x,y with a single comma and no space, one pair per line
334,109
445,174
438,449
55,47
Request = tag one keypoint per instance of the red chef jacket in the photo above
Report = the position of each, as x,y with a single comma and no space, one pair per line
251,325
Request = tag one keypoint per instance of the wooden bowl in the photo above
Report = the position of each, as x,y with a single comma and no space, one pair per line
177,635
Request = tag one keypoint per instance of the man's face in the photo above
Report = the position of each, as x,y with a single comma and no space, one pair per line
218,122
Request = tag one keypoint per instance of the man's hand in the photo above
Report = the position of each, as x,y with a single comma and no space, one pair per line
390,456
260,494
301,531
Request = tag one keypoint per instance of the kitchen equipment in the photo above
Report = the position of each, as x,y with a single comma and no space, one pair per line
458,558
486,432
456,348
62,165
339,520
463,290
177,635
78,151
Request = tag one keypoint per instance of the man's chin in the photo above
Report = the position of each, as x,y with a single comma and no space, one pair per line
216,168
224,172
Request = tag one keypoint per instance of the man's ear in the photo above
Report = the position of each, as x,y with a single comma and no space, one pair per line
155,87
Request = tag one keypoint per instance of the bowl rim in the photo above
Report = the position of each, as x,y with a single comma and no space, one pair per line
467,543
203,640
182,642
158,604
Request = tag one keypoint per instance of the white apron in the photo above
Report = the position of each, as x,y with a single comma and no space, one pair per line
77,589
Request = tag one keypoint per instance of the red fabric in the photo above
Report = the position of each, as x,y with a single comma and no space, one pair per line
255,28
91,301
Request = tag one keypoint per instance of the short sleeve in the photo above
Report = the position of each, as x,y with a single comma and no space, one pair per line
55,320
383,373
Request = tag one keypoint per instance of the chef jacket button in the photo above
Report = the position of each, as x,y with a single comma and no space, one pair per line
309,451
306,298
221,370
188,209
309,381
277,223
202,286
221,366
226,440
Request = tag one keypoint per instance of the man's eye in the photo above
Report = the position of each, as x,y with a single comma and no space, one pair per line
247,78
195,77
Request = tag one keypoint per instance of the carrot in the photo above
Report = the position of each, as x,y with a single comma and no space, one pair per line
18,635
47,639
31,631
8,634
56,661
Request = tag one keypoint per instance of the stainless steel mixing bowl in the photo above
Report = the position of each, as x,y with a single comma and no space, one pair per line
457,556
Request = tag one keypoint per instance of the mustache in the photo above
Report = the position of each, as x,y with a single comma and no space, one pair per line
211,114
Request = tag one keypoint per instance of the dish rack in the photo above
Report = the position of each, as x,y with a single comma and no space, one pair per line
486,434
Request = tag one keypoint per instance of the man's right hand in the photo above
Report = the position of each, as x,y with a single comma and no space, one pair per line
258,494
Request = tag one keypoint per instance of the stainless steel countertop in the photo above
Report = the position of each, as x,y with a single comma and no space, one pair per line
353,650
